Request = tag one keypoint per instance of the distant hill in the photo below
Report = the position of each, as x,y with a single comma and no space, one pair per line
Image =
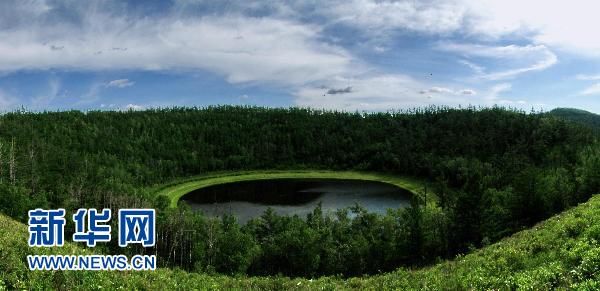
578,115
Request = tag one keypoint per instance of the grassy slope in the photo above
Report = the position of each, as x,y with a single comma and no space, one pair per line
562,252
177,189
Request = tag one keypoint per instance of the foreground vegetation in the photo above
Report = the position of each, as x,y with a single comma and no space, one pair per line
560,253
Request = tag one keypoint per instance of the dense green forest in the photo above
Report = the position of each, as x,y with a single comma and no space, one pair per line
493,171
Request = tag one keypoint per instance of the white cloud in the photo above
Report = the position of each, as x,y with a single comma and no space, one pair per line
493,95
242,49
570,25
440,90
377,92
133,107
527,58
375,16
120,83
372,93
380,49
591,90
587,77
476,68
103,105
567,24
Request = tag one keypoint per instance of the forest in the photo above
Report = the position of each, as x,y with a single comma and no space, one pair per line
494,172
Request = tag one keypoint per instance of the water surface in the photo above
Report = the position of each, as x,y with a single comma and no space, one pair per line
249,199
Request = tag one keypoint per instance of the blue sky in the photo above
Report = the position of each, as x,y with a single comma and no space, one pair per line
367,55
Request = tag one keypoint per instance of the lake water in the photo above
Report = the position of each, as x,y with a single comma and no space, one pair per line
249,199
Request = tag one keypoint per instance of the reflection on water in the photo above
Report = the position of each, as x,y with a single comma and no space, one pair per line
250,199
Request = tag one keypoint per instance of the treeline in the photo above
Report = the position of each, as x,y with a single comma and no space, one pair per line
148,147
494,171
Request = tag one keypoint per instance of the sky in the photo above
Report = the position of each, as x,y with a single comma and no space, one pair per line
365,55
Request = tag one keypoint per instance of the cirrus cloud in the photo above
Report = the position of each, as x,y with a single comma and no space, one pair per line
591,90
120,83
587,77
523,59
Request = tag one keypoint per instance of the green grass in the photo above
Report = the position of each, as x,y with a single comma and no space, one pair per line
560,253
176,189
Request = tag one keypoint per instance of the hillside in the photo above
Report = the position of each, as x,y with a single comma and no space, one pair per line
560,253
577,115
